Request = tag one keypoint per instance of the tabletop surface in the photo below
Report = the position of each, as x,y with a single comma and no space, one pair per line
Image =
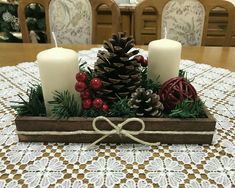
126,165
12,54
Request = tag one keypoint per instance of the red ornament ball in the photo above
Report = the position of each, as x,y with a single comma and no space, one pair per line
139,58
87,103
97,103
105,107
145,63
85,94
96,83
81,76
175,90
80,86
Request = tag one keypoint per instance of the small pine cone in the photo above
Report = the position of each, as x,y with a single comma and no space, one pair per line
146,103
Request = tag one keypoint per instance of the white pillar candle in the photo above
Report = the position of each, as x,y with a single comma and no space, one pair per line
57,68
163,59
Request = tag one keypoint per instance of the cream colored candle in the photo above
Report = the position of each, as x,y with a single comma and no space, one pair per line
163,59
57,68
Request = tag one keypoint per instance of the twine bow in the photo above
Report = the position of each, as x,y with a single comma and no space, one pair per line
119,130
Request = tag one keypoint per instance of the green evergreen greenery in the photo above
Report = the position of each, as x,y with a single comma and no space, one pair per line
154,85
188,109
121,108
64,105
182,73
84,68
34,106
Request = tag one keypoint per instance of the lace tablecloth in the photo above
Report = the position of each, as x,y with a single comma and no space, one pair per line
127,165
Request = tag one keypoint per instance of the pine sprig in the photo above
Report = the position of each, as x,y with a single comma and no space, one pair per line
84,68
183,73
64,105
148,83
188,109
154,86
89,72
34,106
121,108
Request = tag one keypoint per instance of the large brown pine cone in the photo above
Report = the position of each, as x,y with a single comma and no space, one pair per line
118,71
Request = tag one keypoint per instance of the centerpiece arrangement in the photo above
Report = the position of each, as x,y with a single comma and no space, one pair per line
124,98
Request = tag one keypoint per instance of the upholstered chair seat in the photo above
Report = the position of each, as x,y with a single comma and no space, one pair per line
71,21
183,21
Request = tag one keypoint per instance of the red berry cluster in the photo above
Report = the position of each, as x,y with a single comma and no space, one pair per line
85,87
141,60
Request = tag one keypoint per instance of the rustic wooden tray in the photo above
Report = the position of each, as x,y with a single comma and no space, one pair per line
166,130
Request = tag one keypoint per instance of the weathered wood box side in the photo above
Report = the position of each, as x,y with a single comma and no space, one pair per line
167,130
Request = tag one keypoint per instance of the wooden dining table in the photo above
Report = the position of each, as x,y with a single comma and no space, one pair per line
224,57
212,72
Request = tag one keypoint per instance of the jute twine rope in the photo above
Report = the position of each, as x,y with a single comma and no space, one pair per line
118,129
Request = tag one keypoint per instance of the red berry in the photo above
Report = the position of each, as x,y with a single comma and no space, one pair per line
96,83
145,63
80,86
97,102
85,94
81,76
105,107
86,103
139,58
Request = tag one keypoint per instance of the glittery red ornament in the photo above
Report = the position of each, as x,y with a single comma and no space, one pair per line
86,103
96,83
80,86
105,107
175,90
85,94
97,102
81,76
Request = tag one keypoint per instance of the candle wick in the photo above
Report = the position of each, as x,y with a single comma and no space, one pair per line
54,38
165,30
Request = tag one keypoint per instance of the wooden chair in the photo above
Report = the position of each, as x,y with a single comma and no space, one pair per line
72,21
75,22
116,16
22,19
189,27
219,36
147,26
